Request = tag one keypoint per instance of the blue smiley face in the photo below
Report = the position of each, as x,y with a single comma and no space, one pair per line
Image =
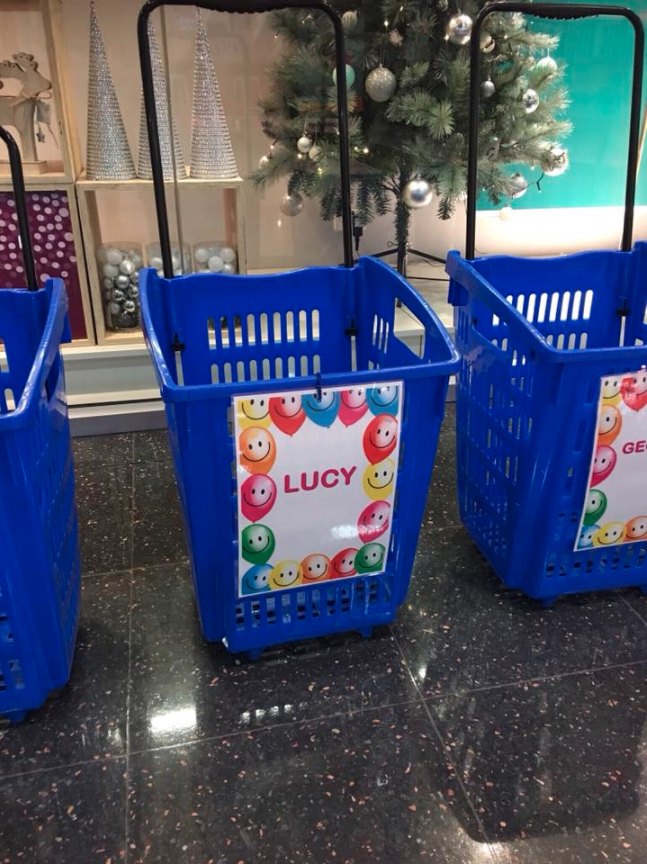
256,579
322,411
383,399
587,535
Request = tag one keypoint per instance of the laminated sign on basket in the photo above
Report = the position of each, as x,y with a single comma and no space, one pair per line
615,508
316,477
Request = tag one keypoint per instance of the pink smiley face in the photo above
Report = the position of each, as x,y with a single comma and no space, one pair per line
258,495
374,521
603,464
352,405
380,437
343,564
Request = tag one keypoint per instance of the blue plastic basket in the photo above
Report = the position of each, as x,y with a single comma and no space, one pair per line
39,568
536,337
355,344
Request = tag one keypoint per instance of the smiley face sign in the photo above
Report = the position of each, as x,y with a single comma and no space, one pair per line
316,476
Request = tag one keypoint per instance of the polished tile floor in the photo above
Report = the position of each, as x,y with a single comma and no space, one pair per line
480,728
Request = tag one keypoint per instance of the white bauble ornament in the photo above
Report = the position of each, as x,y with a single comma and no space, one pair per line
127,267
114,256
350,75
122,281
486,42
114,308
316,153
215,263
137,260
558,163
417,194
546,65
110,270
176,261
160,273
349,20
380,84
201,254
519,185
291,205
263,162
228,268
156,262
459,29
506,213
107,283
530,100
488,89
227,254
304,143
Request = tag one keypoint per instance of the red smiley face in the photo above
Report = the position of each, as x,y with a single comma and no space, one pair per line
603,464
380,437
374,521
287,413
258,495
343,564
352,406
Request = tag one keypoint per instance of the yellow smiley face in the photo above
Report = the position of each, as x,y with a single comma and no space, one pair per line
286,574
611,392
610,534
254,412
378,479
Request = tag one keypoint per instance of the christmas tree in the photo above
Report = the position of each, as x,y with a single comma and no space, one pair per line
408,77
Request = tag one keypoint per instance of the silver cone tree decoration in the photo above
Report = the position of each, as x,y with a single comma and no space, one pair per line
108,152
168,136
212,156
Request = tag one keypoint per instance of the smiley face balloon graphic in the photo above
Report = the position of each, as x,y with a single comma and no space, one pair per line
254,412
287,413
257,544
258,496
322,407
383,399
353,405
257,450
380,438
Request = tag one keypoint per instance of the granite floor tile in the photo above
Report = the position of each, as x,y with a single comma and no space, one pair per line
460,628
185,688
104,498
158,531
555,768
86,719
103,449
72,815
152,445
371,788
442,501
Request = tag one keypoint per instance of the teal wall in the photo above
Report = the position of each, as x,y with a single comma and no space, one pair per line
598,56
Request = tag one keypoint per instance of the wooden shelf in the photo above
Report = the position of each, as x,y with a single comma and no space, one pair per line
36,182
84,184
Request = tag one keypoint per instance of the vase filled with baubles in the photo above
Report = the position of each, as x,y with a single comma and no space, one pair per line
215,256
119,266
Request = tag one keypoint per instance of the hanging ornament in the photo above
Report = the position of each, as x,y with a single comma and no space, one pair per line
316,153
349,20
305,143
212,155
488,89
350,75
546,65
380,84
417,194
291,205
506,213
519,185
557,161
263,162
459,29
530,100
517,20
396,38
486,42
492,151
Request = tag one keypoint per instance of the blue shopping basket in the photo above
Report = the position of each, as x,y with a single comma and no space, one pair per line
342,322
39,568
536,337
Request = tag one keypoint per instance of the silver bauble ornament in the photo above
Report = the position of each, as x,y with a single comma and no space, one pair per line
114,256
133,292
229,268
114,309
417,194
304,144
107,283
546,65
129,306
380,84
110,270
227,254
316,153
519,185
459,29
215,264
127,267
486,42
488,89
349,20
135,278
530,100
117,295
558,161
263,162
291,205
122,281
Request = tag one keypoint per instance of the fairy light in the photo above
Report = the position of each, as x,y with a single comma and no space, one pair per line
366,150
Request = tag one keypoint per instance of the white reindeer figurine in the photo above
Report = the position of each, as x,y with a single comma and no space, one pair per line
19,111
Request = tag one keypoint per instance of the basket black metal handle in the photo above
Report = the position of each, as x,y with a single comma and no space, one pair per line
242,6
563,11
20,198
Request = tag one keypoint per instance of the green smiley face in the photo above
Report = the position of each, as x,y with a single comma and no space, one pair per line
257,544
370,558
596,504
